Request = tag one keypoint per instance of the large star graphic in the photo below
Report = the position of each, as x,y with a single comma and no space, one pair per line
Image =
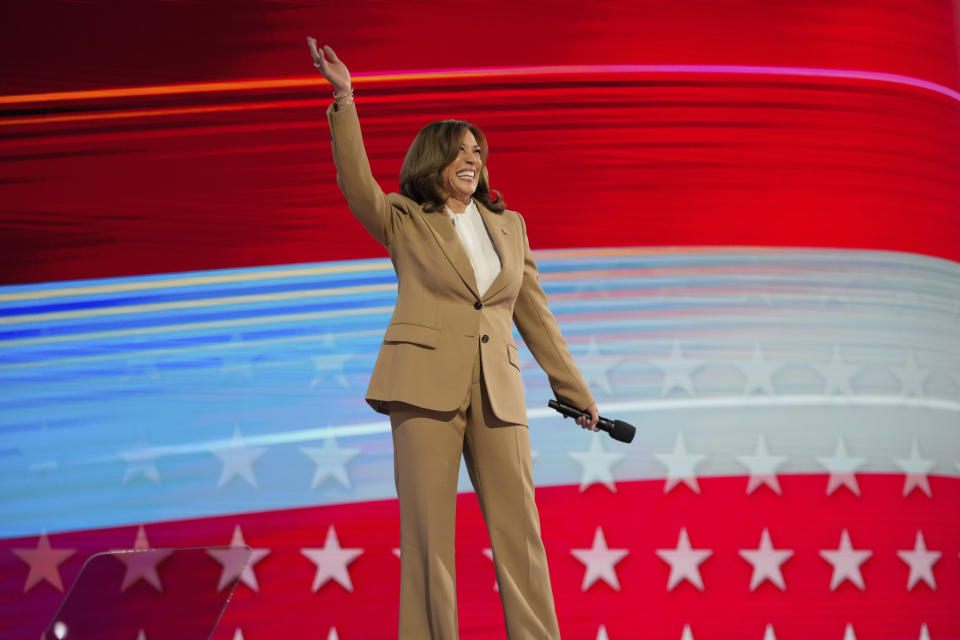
141,562
677,370
766,562
332,561
759,373
837,375
330,364
140,461
238,560
763,467
331,462
595,367
597,464
44,562
916,469
681,466
238,460
599,561
921,562
841,468
911,376
846,562
684,562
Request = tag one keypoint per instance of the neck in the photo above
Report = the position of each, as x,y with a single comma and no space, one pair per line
458,206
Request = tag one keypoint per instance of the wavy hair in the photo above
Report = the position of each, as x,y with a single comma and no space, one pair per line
434,148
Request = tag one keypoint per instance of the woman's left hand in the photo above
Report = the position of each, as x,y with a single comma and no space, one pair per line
591,422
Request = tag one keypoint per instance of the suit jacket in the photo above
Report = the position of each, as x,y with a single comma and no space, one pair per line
440,319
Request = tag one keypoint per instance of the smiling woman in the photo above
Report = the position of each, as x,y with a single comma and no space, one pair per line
447,161
447,373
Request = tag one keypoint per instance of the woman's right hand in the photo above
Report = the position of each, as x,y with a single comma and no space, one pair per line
333,69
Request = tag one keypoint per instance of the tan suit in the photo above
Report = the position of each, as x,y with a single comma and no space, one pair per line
449,376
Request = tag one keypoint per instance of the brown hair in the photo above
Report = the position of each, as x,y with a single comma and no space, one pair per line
434,148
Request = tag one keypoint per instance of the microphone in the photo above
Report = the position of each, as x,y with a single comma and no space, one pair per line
618,429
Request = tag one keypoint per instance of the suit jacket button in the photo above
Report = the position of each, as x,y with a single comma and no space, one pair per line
484,338
477,305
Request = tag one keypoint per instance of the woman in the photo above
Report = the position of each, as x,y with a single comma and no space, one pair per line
447,373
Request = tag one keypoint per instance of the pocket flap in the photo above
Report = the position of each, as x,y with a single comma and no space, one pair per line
413,333
513,356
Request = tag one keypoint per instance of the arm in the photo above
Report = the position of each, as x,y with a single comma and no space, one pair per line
541,333
364,196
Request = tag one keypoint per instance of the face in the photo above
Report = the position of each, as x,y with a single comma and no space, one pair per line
460,177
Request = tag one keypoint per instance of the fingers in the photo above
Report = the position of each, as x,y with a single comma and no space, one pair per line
327,49
312,44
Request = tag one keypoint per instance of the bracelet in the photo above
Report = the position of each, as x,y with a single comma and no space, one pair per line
345,98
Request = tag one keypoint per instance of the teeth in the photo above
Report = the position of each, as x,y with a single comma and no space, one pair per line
466,174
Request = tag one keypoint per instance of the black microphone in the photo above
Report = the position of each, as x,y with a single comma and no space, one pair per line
618,429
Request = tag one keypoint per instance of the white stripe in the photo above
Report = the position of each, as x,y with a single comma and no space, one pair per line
192,281
195,326
189,304
682,404
193,349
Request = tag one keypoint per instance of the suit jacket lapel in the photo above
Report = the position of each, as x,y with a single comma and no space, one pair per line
497,228
446,235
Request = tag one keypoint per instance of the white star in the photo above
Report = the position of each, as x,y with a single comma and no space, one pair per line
488,552
916,469
597,464
600,561
678,370
238,561
236,364
924,632
595,367
332,561
140,461
40,454
142,635
759,373
846,562
141,562
921,562
841,468
333,634
238,460
44,562
911,376
768,633
848,633
331,462
330,364
837,375
684,562
686,634
238,635
766,562
602,633
763,467
681,466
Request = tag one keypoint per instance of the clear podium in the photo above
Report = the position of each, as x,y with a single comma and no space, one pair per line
150,594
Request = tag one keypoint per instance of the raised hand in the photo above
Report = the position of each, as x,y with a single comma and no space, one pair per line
333,69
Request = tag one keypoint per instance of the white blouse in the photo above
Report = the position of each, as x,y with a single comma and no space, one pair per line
476,241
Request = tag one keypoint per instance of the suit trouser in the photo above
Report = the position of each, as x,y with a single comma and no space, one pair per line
427,447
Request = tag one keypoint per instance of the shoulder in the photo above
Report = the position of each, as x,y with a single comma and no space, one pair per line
404,203
514,217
